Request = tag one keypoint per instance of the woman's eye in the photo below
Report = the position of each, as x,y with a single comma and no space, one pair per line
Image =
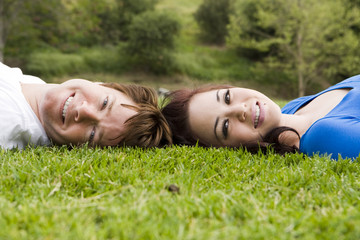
106,100
227,97
225,128
92,135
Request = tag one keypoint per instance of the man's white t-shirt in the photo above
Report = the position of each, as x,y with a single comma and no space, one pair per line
19,126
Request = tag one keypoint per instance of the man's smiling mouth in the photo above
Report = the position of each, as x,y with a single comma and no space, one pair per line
66,105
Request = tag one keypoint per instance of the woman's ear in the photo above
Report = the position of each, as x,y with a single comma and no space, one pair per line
289,138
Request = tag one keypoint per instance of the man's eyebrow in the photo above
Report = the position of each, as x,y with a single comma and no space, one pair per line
101,135
111,105
109,108
215,126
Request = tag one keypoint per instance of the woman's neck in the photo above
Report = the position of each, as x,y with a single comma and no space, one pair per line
318,108
299,123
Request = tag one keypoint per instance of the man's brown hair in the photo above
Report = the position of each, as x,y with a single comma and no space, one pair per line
148,127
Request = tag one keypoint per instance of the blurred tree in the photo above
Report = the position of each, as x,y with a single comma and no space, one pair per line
213,16
9,10
31,24
66,25
93,22
355,2
115,22
151,40
45,20
312,40
82,22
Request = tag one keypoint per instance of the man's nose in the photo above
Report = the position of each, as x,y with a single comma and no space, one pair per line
86,112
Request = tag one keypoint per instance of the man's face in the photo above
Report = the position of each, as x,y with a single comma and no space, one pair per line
79,111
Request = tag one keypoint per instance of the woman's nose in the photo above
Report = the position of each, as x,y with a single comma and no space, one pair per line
239,111
86,112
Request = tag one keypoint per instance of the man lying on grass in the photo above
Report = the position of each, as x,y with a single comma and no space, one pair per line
77,112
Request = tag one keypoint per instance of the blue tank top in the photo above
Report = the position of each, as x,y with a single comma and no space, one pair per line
338,132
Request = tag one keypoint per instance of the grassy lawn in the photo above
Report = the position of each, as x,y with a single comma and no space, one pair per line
122,193
177,192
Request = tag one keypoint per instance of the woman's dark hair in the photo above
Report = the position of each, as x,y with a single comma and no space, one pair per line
177,115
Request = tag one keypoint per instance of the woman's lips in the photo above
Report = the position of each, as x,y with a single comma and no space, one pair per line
262,114
258,114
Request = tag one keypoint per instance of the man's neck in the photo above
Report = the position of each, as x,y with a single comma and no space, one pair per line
33,94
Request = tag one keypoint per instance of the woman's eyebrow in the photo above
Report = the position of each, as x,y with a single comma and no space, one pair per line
215,126
217,119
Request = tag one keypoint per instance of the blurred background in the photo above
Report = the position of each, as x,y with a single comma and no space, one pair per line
284,48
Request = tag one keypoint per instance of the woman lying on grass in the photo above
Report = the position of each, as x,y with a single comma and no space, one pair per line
77,112
218,116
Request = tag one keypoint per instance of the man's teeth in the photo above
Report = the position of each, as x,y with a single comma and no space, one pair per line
257,115
66,106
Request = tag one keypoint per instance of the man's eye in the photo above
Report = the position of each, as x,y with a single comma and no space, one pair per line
227,97
92,135
225,128
106,100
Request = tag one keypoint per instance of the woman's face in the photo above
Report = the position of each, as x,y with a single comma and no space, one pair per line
232,117
79,111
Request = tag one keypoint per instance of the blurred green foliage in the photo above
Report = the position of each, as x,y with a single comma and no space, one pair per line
213,16
151,39
296,47
116,19
308,41
67,25
29,25
51,62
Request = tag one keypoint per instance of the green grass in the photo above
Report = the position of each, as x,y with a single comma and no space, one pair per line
121,193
